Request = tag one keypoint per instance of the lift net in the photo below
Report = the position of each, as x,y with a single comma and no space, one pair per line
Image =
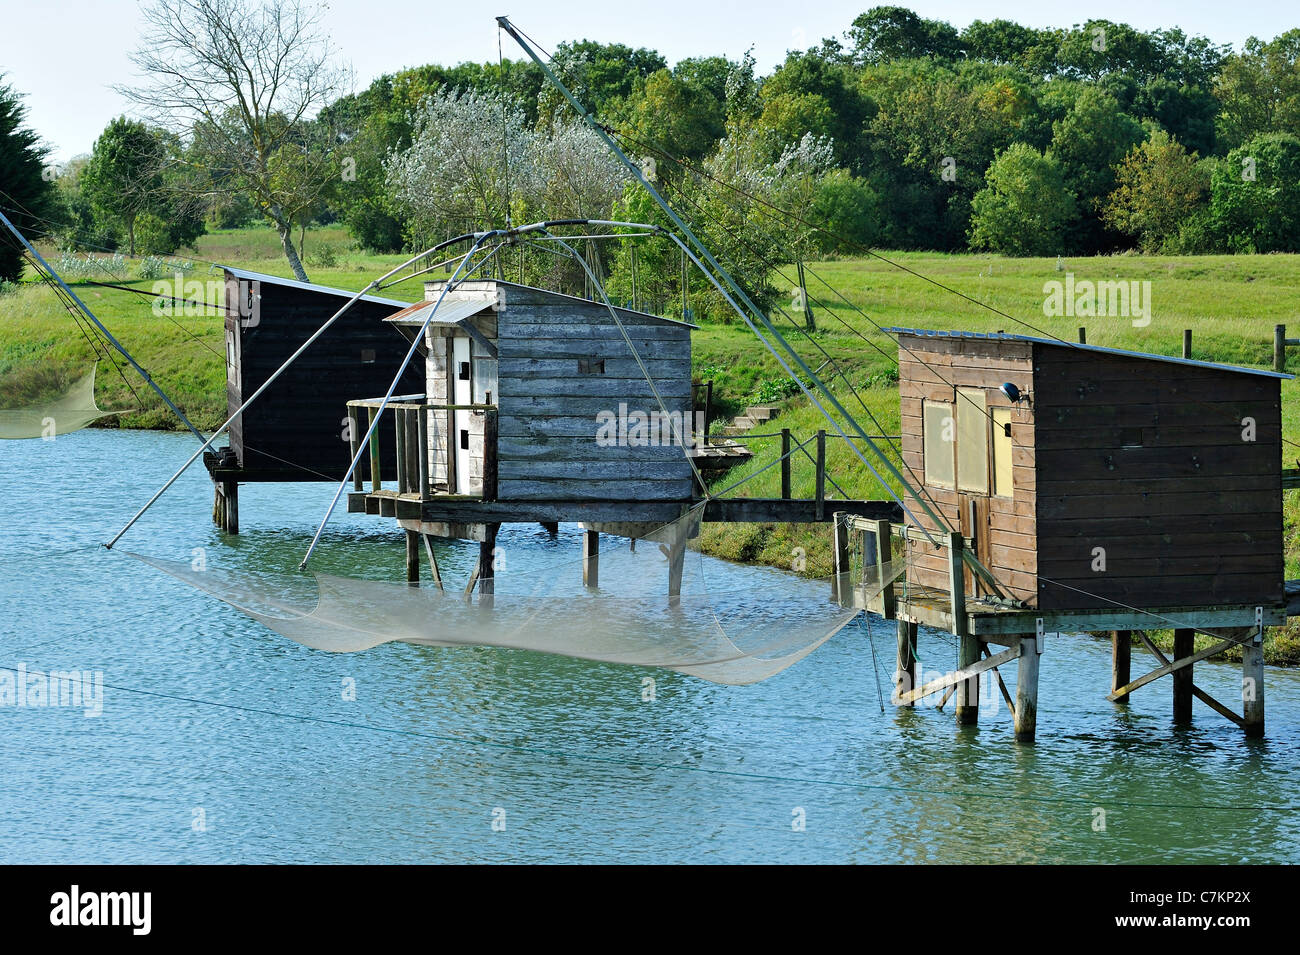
761,624
71,410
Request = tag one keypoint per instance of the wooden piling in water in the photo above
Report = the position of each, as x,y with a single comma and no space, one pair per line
1182,678
905,660
968,654
1252,686
1121,655
413,558
841,587
591,558
486,568
230,507
1026,716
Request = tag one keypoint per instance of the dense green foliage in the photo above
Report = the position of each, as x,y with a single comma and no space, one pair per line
28,194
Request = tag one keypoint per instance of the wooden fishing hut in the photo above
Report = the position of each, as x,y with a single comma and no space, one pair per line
542,407
1102,490
297,430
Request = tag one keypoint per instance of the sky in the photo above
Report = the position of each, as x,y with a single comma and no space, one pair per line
66,55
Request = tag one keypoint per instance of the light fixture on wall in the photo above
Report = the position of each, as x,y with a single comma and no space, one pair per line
1015,395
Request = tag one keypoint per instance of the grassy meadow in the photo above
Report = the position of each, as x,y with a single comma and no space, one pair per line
1231,303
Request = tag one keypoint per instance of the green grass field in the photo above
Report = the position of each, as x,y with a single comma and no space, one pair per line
1231,303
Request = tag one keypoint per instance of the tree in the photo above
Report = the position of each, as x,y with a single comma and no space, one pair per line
1090,141
895,33
469,163
1025,206
1255,195
1159,186
124,176
666,112
243,78
29,198
1259,90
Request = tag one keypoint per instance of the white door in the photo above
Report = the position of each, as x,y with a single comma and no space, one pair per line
462,394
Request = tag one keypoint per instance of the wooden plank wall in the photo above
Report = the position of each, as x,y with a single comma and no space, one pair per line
547,448
300,418
930,368
1191,517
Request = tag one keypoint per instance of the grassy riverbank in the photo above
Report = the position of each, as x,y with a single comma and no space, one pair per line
1231,303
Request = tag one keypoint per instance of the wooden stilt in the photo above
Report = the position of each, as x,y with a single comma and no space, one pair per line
1183,647
591,558
413,558
1026,715
217,505
230,492
676,564
968,654
551,527
1121,647
905,681
1252,686
433,561
486,571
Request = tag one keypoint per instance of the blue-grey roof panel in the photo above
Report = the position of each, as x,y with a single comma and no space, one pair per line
1004,336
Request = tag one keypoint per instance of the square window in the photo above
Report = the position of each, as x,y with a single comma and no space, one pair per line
464,371
464,439
940,437
1003,472
591,366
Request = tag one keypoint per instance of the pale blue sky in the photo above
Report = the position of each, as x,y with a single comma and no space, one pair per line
65,54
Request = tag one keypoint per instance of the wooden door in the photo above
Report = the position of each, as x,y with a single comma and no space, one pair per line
462,393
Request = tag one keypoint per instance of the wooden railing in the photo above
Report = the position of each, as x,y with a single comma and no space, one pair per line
411,415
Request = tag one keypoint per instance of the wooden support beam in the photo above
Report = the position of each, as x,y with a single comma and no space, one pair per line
354,444
1197,692
957,677
785,464
591,558
399,433
841,586
1252,687
490,456
968,697
375,475
412,558
1002,686
230,506
905,661
1026,709
1279,348
486,566
1121,655
551,527
1187,343
884,555
1182,682
676,564
1173,667
433,561
422,442
820,495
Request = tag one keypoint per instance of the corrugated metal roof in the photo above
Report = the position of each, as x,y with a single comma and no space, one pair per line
450,312
308,286
1004,336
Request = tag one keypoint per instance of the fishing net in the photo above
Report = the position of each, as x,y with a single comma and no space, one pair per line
739,635
71,410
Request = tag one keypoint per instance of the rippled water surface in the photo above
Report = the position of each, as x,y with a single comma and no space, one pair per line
220,741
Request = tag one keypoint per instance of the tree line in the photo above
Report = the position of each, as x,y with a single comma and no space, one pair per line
903,132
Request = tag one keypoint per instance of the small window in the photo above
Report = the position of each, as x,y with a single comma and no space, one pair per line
464,371
232,372
367,356
1130,438
972,441
1003,473
591,366
464,439
939,435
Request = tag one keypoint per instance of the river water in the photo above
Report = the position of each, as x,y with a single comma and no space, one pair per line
220,741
